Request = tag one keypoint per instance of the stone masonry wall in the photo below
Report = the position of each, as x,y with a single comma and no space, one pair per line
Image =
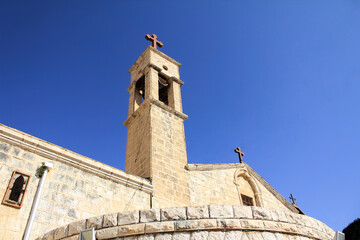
202,222
70,192
217,187
138,143
168,153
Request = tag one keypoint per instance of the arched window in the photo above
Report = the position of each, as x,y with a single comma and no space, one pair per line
248,190
16,189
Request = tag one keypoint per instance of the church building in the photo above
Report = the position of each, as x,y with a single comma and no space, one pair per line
51,193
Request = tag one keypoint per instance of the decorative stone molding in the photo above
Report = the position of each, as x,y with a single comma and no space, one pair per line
243,172
188,222
56,153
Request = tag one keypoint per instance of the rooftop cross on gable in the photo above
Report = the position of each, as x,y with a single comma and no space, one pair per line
292,198
241,154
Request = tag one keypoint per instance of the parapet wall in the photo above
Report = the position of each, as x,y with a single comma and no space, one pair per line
204,222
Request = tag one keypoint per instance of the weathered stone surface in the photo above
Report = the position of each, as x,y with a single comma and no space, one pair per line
200,235
159,227
196,224
268,236
173,214
254,236
48,236
181,236
126,218
197,212
94,222
146,237
229,223
216,235
61,232
221,211
28,156
242,212
107,233
3,157
76,227
163,236
131,229
4,147
252,224
111,220
270,225
150,215
233,235
261,213
76,237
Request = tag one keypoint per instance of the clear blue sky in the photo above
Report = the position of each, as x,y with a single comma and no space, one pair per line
281,79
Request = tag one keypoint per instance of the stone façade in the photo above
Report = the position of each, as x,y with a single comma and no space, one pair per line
167,198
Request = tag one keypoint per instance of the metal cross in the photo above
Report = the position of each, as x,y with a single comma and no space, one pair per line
292,198
241,154
153,39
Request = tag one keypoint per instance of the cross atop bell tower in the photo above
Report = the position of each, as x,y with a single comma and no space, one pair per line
153,39
156,147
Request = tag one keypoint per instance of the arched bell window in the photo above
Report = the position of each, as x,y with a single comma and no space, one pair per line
163,89
15,192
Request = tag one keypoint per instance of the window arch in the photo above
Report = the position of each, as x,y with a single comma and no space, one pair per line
248,190
15,192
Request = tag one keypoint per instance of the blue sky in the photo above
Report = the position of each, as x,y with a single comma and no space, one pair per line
281,79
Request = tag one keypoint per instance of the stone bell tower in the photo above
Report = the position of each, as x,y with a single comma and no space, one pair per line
156,147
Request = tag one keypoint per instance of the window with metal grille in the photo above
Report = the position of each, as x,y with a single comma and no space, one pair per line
247,201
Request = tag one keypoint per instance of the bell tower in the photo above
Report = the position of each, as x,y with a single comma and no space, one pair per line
156,147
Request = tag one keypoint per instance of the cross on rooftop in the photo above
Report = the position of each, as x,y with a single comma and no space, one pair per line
241,154
153,39
292,198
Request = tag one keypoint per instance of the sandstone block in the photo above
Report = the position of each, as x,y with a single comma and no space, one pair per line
107,233
94,222
48,236
76,237
110,220
28,156
76,227
216,235
196,224
242,212
252,224
163,236
181,236
159,227
229,223
125,218
201,235
131,229
4,147
221,211
150,215
261,213
268,236
270,225
197,212
61,232
3,157
173,214
254,236
146,237
233,235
